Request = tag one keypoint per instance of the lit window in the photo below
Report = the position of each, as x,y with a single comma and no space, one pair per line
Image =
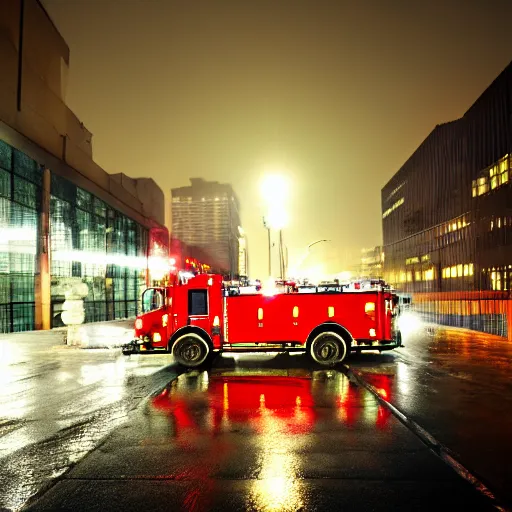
471,269
459,270
466,270
499,222
409,276
453,271
429,274
417,276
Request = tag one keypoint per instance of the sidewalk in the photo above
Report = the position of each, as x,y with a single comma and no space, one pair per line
110,334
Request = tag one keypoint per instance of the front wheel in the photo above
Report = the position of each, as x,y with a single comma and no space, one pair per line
328,349
190,350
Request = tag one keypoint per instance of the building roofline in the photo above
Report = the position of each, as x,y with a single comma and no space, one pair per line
42,7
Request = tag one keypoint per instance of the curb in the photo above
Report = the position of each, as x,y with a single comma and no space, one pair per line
429,440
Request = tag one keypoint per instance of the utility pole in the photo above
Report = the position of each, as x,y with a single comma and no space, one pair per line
267,227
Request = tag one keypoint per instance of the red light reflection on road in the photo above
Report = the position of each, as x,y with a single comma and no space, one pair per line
277,410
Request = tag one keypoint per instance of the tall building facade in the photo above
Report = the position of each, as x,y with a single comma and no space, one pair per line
65,224
206,214
447,217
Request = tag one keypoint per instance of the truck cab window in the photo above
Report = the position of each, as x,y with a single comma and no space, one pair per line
197,302
152,298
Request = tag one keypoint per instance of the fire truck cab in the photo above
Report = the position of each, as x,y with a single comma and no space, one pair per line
195,318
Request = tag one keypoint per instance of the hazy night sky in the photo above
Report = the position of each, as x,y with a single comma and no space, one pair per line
336,94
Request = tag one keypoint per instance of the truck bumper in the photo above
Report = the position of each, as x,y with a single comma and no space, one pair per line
360,345
136,346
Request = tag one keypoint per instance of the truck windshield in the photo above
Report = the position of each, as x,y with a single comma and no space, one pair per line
152,298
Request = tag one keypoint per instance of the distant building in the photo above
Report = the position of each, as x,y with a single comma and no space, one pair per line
371,262
206,215
64,221
447,217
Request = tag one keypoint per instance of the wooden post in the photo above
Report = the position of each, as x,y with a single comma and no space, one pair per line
42,276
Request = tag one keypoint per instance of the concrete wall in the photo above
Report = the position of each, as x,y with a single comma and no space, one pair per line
147,192
44,117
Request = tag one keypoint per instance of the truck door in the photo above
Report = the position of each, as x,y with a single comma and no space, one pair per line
198,314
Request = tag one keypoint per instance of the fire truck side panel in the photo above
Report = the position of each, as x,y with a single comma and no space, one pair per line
292,317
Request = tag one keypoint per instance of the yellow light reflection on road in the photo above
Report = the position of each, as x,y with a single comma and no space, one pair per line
278,486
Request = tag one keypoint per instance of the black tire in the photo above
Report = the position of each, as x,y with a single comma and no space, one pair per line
328,349
190,350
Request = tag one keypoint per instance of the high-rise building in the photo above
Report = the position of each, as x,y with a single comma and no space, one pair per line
206,215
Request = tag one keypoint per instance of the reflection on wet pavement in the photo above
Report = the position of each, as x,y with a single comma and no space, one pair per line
264,435
272,408
57,403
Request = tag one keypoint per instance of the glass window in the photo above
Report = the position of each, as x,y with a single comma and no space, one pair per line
5,156
100,208
26,193
152,298
83,200
197,302
63,189
5,184
27,168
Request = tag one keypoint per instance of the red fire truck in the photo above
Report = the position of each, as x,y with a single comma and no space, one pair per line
196,318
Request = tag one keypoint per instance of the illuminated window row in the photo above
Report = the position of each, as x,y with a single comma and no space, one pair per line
493,177
499,222
399,203
453,225
498,277
416,259
395,190
409,276
460,270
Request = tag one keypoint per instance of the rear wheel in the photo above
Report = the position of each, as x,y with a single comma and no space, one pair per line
328,349
190,350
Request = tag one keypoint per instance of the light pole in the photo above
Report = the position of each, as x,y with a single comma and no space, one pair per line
306,254
274,190
267,227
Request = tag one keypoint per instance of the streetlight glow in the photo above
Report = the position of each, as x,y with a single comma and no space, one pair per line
274,189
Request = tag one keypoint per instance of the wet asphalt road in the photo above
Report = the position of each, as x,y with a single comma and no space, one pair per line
57,403
253,432
261,433
457,385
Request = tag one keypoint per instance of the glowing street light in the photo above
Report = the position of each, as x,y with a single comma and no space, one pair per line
274,189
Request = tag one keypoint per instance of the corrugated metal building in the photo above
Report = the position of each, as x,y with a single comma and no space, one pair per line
447,217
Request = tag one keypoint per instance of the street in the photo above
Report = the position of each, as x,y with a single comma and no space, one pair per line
458,386
258,432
